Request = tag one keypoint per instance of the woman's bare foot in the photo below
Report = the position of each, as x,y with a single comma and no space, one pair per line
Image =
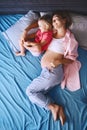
62,116
20,54
55,110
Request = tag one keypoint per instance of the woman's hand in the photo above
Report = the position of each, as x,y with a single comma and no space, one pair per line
55,63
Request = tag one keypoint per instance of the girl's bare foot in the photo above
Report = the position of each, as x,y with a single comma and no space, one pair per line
62,116
55,110
20,54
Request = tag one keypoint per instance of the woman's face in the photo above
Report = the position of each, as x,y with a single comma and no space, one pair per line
57,22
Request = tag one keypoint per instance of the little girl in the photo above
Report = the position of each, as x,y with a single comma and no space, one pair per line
42,37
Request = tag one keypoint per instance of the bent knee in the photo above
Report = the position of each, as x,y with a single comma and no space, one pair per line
28,92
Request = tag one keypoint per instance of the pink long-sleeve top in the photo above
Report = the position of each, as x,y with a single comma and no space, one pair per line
71,78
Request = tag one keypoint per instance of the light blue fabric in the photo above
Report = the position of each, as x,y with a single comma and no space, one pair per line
37,90
16,110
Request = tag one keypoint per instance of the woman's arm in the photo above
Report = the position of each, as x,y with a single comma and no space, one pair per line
62,61
46,39
32,25
65,61
26,30
31,36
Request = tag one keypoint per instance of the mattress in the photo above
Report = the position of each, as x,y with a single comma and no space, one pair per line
16,73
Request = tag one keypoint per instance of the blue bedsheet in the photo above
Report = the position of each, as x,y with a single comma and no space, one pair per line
16,73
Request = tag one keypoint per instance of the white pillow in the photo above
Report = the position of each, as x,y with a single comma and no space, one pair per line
79,28
44,13
13,33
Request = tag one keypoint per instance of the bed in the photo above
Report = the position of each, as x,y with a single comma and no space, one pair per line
16,73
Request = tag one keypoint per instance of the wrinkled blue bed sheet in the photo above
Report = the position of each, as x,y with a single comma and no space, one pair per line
16,73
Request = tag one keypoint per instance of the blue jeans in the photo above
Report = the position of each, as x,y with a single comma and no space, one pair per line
38,88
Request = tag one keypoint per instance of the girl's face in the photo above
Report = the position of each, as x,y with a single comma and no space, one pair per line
58,22
43,26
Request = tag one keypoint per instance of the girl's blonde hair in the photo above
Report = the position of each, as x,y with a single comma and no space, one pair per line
47,18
